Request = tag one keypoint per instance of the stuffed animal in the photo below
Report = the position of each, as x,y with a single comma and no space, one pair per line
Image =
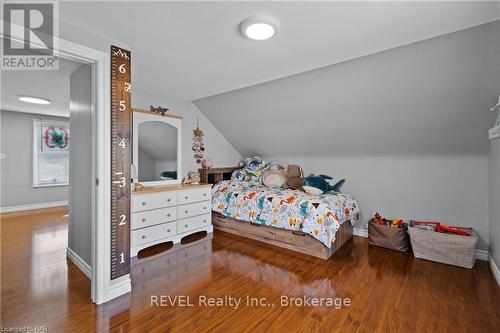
193,177
274,176
318,184
254,167
294,175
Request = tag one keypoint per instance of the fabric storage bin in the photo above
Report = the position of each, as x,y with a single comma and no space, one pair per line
384,235
445,248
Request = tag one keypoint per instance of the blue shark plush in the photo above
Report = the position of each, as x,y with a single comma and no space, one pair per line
318,184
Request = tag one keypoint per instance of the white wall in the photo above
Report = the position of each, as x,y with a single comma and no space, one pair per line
81,183
451,189
17,167
217,147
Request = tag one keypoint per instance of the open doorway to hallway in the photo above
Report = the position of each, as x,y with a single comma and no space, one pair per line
47,189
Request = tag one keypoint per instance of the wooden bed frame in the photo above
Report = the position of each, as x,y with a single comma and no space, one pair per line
288,239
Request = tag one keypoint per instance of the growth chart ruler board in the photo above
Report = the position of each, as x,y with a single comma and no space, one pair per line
120,161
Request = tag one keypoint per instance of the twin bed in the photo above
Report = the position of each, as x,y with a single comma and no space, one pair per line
317,225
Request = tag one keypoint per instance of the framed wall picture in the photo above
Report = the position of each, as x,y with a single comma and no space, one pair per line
51,145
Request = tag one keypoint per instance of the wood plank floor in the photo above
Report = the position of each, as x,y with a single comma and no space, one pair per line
389,291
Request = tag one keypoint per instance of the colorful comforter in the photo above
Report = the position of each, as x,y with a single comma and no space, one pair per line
317,215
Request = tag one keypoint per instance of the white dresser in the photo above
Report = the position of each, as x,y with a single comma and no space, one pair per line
169,213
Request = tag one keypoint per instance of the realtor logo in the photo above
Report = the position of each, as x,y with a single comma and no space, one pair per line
29,30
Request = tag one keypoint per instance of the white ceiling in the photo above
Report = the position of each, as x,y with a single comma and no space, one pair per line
52,85
193,49
430,97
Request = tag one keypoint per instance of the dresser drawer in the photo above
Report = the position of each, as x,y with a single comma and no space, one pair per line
148,218
193,209
200,194
153,233
193,223
150,201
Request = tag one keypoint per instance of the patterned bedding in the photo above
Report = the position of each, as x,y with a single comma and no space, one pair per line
317,215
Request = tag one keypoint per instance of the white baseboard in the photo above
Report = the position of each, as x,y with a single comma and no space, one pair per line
360,232
79,262
480,254
495,270
119,287
11,209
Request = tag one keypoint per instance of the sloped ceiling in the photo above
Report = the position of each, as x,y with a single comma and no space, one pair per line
430,97
194,49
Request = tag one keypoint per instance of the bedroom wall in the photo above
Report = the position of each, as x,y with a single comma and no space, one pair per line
217,147
448,188
494,177
411,122
17,166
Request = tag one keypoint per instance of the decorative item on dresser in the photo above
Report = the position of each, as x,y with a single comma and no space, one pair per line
215,175
169,213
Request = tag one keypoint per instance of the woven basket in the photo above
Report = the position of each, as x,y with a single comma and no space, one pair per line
386,236
445,248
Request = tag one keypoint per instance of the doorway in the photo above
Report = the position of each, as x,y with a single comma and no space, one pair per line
48,168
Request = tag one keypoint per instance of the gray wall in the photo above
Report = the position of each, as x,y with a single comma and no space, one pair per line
17,169
494,177
81,182
452,189
406,127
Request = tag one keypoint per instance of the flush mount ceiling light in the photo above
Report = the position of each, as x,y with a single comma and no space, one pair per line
259,27
33,100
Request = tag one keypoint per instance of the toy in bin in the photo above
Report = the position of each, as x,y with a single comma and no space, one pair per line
438,227
395,223
390,234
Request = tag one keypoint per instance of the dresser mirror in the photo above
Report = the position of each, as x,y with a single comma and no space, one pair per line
156,148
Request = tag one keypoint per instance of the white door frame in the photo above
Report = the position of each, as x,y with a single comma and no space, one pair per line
102,287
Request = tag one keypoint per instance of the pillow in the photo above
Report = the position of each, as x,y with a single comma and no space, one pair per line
238,175
254,167
274,178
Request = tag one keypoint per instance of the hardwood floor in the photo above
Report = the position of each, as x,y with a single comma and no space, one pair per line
388,291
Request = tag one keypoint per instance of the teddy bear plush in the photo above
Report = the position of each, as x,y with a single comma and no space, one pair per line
294,174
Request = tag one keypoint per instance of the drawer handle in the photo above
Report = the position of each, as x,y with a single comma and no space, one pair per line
205,208
185,225
143,220
168,230
168,200
298,233
204,194
256,224
143,203
168,214
143,237
204,221
186,197
186,211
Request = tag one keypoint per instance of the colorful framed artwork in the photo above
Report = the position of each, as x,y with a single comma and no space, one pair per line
51,145
55,136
